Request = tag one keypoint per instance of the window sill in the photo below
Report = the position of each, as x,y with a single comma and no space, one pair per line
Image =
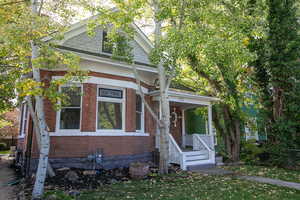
68,133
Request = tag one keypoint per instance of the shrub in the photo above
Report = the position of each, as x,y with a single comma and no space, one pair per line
250,152
3,146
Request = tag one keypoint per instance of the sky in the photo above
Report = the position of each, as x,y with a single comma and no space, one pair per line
81,14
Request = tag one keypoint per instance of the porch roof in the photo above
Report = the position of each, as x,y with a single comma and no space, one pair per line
186,97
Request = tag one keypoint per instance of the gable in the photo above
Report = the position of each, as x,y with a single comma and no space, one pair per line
93,44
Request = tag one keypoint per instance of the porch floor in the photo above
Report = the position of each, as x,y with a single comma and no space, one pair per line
187,149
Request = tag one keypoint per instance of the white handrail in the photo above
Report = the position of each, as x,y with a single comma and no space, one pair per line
175,153
204,143
174,143
211,152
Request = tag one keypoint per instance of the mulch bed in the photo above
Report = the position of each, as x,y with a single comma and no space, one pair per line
87,182
93,181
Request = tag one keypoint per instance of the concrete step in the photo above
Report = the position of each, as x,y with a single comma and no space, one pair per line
200,167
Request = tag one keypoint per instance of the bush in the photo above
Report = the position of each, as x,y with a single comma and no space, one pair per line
250,152
57,195
3,146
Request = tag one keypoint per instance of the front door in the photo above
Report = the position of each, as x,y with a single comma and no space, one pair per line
176,123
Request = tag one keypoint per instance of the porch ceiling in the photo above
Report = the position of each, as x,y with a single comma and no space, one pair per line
185,106
185,99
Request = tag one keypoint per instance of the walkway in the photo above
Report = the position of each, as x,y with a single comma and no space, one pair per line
220,171
272,181
6,175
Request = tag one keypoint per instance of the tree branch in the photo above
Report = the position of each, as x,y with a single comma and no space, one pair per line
41,6
215,84
138,81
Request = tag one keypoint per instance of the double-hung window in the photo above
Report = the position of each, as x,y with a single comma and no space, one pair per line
139,110
110,103
70,112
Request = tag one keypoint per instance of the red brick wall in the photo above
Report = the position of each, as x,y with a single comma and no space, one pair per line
150,124
130,124
81,146
89,107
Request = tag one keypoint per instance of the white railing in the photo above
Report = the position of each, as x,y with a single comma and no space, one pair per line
202,153
175,153
204,143
198,144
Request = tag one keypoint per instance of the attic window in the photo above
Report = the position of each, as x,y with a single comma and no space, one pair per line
120,46
107,47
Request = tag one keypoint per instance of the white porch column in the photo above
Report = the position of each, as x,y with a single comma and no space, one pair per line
210,131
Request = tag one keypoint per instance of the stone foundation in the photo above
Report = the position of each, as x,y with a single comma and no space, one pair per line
107,162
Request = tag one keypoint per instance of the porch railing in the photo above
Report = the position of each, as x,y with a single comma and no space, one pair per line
175,153
204,143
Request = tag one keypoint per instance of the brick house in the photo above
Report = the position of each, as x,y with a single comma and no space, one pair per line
9,133
108,119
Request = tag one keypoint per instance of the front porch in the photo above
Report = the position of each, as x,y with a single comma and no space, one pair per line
187,148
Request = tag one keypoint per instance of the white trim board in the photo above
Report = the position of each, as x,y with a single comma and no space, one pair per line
185,97
112,62
110,82
79,133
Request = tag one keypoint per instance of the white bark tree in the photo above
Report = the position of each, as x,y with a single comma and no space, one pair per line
44,146
24,27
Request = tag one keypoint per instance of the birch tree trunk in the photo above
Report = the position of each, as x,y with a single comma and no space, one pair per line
165,119
44,139
164,101
50,170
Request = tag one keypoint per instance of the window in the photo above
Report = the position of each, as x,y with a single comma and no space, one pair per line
107,47
139,113
71,111
120,46
24,120
110,109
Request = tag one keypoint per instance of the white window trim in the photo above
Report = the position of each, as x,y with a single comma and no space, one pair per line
57,127
113,100
109,82
142,130
62,133
24,127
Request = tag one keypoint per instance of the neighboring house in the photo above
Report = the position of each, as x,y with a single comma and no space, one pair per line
251,128
109,120
9,133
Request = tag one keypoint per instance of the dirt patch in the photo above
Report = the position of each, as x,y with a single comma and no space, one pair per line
7,177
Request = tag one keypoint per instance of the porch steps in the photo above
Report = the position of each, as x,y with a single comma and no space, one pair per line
196,159
200,156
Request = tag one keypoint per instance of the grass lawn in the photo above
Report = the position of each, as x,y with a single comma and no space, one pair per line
270,172
189,186
5,152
